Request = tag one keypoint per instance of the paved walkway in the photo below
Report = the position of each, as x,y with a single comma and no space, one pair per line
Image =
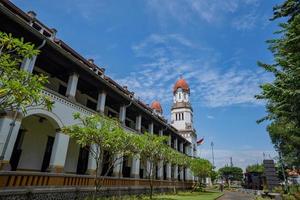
236,196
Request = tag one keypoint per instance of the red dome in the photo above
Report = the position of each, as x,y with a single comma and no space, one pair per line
156,106
181,83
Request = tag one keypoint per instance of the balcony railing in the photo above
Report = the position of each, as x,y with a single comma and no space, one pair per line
64,100
39,179
76,106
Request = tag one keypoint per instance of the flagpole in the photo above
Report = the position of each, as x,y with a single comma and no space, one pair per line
212,153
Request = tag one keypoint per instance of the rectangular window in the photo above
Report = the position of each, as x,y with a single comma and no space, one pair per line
90,104
62,89
112,114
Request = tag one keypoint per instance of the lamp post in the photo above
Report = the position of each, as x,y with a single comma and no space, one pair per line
286,187
212,153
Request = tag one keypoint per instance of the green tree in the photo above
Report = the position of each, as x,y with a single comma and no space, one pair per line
256,168
19,89
100,134
214,175
155,150
289,8
201,168
231,174
176,158
283,93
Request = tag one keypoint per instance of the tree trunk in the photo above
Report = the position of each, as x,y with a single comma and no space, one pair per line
151,188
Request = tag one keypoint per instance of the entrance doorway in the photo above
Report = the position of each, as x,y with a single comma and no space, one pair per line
82,160
47,154
17,151
33,146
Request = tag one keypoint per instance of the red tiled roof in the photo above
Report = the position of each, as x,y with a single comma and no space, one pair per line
156,106
181,83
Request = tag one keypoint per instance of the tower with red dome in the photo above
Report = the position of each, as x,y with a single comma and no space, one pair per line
182,113
157,107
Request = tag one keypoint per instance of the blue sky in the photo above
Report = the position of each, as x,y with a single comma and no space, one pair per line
147,45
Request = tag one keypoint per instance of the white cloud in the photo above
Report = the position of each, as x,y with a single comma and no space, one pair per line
246,22
187,10
88,9
210,117
211,85
240,157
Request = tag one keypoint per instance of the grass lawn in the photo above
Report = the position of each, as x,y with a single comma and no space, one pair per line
189,196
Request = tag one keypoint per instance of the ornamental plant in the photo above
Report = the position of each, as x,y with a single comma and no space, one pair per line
19,89
177,158
201,168
153,148
282,94
100,134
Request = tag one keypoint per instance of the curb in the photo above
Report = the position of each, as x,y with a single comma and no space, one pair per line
220,196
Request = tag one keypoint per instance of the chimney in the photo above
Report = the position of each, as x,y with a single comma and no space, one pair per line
54,31
31,14
90,60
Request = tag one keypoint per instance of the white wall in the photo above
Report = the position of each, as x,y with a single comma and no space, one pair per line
34,143
181,124
72,157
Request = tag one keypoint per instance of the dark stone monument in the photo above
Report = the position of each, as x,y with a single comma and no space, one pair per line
271,178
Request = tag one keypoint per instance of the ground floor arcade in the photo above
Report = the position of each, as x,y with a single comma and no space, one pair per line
37,145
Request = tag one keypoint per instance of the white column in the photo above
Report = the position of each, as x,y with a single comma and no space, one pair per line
181,147
59,152
149,170
150,128
168,165
9,129
135,167
117,171
101,102
161,132
138,123
28,64
175,172
189,174
72,86
175,144
122,115
160,172
92,164
186,170
181,173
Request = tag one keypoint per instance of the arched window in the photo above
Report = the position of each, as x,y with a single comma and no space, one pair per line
182,116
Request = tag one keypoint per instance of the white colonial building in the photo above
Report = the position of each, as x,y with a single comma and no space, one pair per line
34,151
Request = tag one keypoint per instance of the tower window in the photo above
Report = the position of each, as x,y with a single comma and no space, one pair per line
182,116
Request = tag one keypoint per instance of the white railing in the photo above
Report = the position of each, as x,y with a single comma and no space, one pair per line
76,106
64,100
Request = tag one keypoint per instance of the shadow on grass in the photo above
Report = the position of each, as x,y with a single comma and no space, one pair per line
195,193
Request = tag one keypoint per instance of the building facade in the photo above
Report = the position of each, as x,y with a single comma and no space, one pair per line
34,151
